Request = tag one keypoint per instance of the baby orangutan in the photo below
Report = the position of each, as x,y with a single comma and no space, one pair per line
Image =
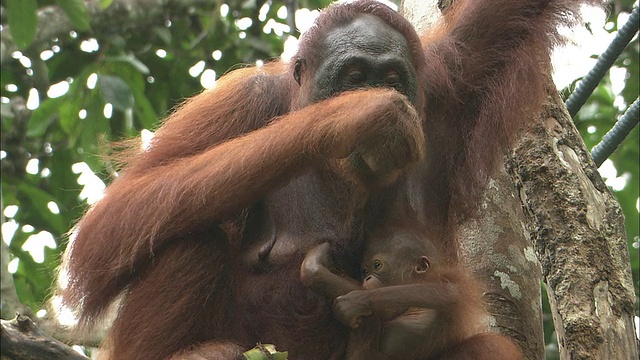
409,305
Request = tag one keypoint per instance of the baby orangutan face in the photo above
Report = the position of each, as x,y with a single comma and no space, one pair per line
398,260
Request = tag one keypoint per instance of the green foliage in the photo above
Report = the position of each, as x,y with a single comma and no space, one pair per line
77,12
105,3
265,352
21,15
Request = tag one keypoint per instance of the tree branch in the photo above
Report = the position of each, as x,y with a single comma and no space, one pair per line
21,339
578,232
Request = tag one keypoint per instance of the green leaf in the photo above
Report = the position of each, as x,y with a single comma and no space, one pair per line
75,100
23,21
130,59
33,281
70,109
264,352
94,128
43,116
130,73
145,112
9,192
77,13
105,3
64,183
164,34
37,204
116,91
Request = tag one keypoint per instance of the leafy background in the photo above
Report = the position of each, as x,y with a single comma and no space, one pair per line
65,96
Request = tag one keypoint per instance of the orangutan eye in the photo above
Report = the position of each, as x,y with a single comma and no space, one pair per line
393,79
355,76
377,265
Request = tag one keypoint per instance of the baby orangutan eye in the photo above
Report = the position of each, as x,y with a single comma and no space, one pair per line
377,265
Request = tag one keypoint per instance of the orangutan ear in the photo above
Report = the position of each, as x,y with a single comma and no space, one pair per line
423,265
297,69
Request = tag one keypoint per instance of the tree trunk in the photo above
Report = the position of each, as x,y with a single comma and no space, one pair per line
571,228
497,246
578,231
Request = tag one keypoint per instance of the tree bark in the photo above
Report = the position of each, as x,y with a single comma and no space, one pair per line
578,232
21,339
498,248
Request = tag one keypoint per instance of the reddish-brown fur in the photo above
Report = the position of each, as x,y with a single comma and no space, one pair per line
411,306
170,237
457,332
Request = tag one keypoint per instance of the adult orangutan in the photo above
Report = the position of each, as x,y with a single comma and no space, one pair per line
201,237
